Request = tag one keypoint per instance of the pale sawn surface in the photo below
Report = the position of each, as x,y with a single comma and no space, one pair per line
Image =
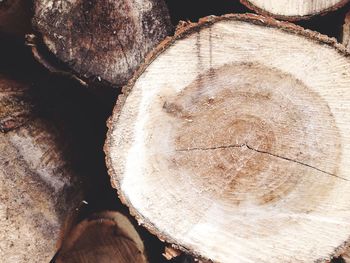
294,8
234,144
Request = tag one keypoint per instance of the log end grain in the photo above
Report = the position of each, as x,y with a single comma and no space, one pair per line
232,142
294,10
101,40
104,237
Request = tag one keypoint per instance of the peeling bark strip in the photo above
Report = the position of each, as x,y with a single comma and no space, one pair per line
105,237
39,192
103,40
293,10
238,133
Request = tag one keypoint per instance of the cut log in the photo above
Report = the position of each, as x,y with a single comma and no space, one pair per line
15,16
293,10
101,40
39,191
105,237
232,142
346,32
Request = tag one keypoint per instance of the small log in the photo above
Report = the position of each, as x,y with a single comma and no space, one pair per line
15,17
100,40
232,142
105,237
293,10
39,191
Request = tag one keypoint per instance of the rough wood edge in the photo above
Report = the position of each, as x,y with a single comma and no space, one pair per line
36,46
261,11
183,30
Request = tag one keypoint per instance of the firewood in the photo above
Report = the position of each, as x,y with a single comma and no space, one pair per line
99,40
293,10
232,143
39,191
15,16
105,237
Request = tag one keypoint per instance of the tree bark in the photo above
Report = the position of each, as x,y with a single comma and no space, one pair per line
15,17
231,142
100,40
293,10
105,237
39,191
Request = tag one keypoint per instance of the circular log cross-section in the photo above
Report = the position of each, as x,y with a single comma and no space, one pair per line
232,142
104,238
103,40
292,10
39,192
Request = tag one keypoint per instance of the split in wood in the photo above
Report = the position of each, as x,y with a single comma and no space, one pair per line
231,142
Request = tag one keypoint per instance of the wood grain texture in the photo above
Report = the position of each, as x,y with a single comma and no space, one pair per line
101,40
231,142
105,237
293,10
39,190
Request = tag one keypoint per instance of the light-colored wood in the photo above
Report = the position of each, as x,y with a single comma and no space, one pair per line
39,193
293,9
100,40
232,142
104,238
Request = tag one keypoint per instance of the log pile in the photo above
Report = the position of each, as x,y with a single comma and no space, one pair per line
226,140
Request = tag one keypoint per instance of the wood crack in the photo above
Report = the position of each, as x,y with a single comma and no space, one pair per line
259,151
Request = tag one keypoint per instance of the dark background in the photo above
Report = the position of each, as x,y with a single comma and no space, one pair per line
82,112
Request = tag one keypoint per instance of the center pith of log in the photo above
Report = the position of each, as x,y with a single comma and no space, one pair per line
232,142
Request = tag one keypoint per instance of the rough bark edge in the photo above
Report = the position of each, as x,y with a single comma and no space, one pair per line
185,29
261,11
47,60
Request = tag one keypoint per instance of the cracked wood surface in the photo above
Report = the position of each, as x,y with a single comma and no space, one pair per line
259,151
101,40
292,10
39,192
279,96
